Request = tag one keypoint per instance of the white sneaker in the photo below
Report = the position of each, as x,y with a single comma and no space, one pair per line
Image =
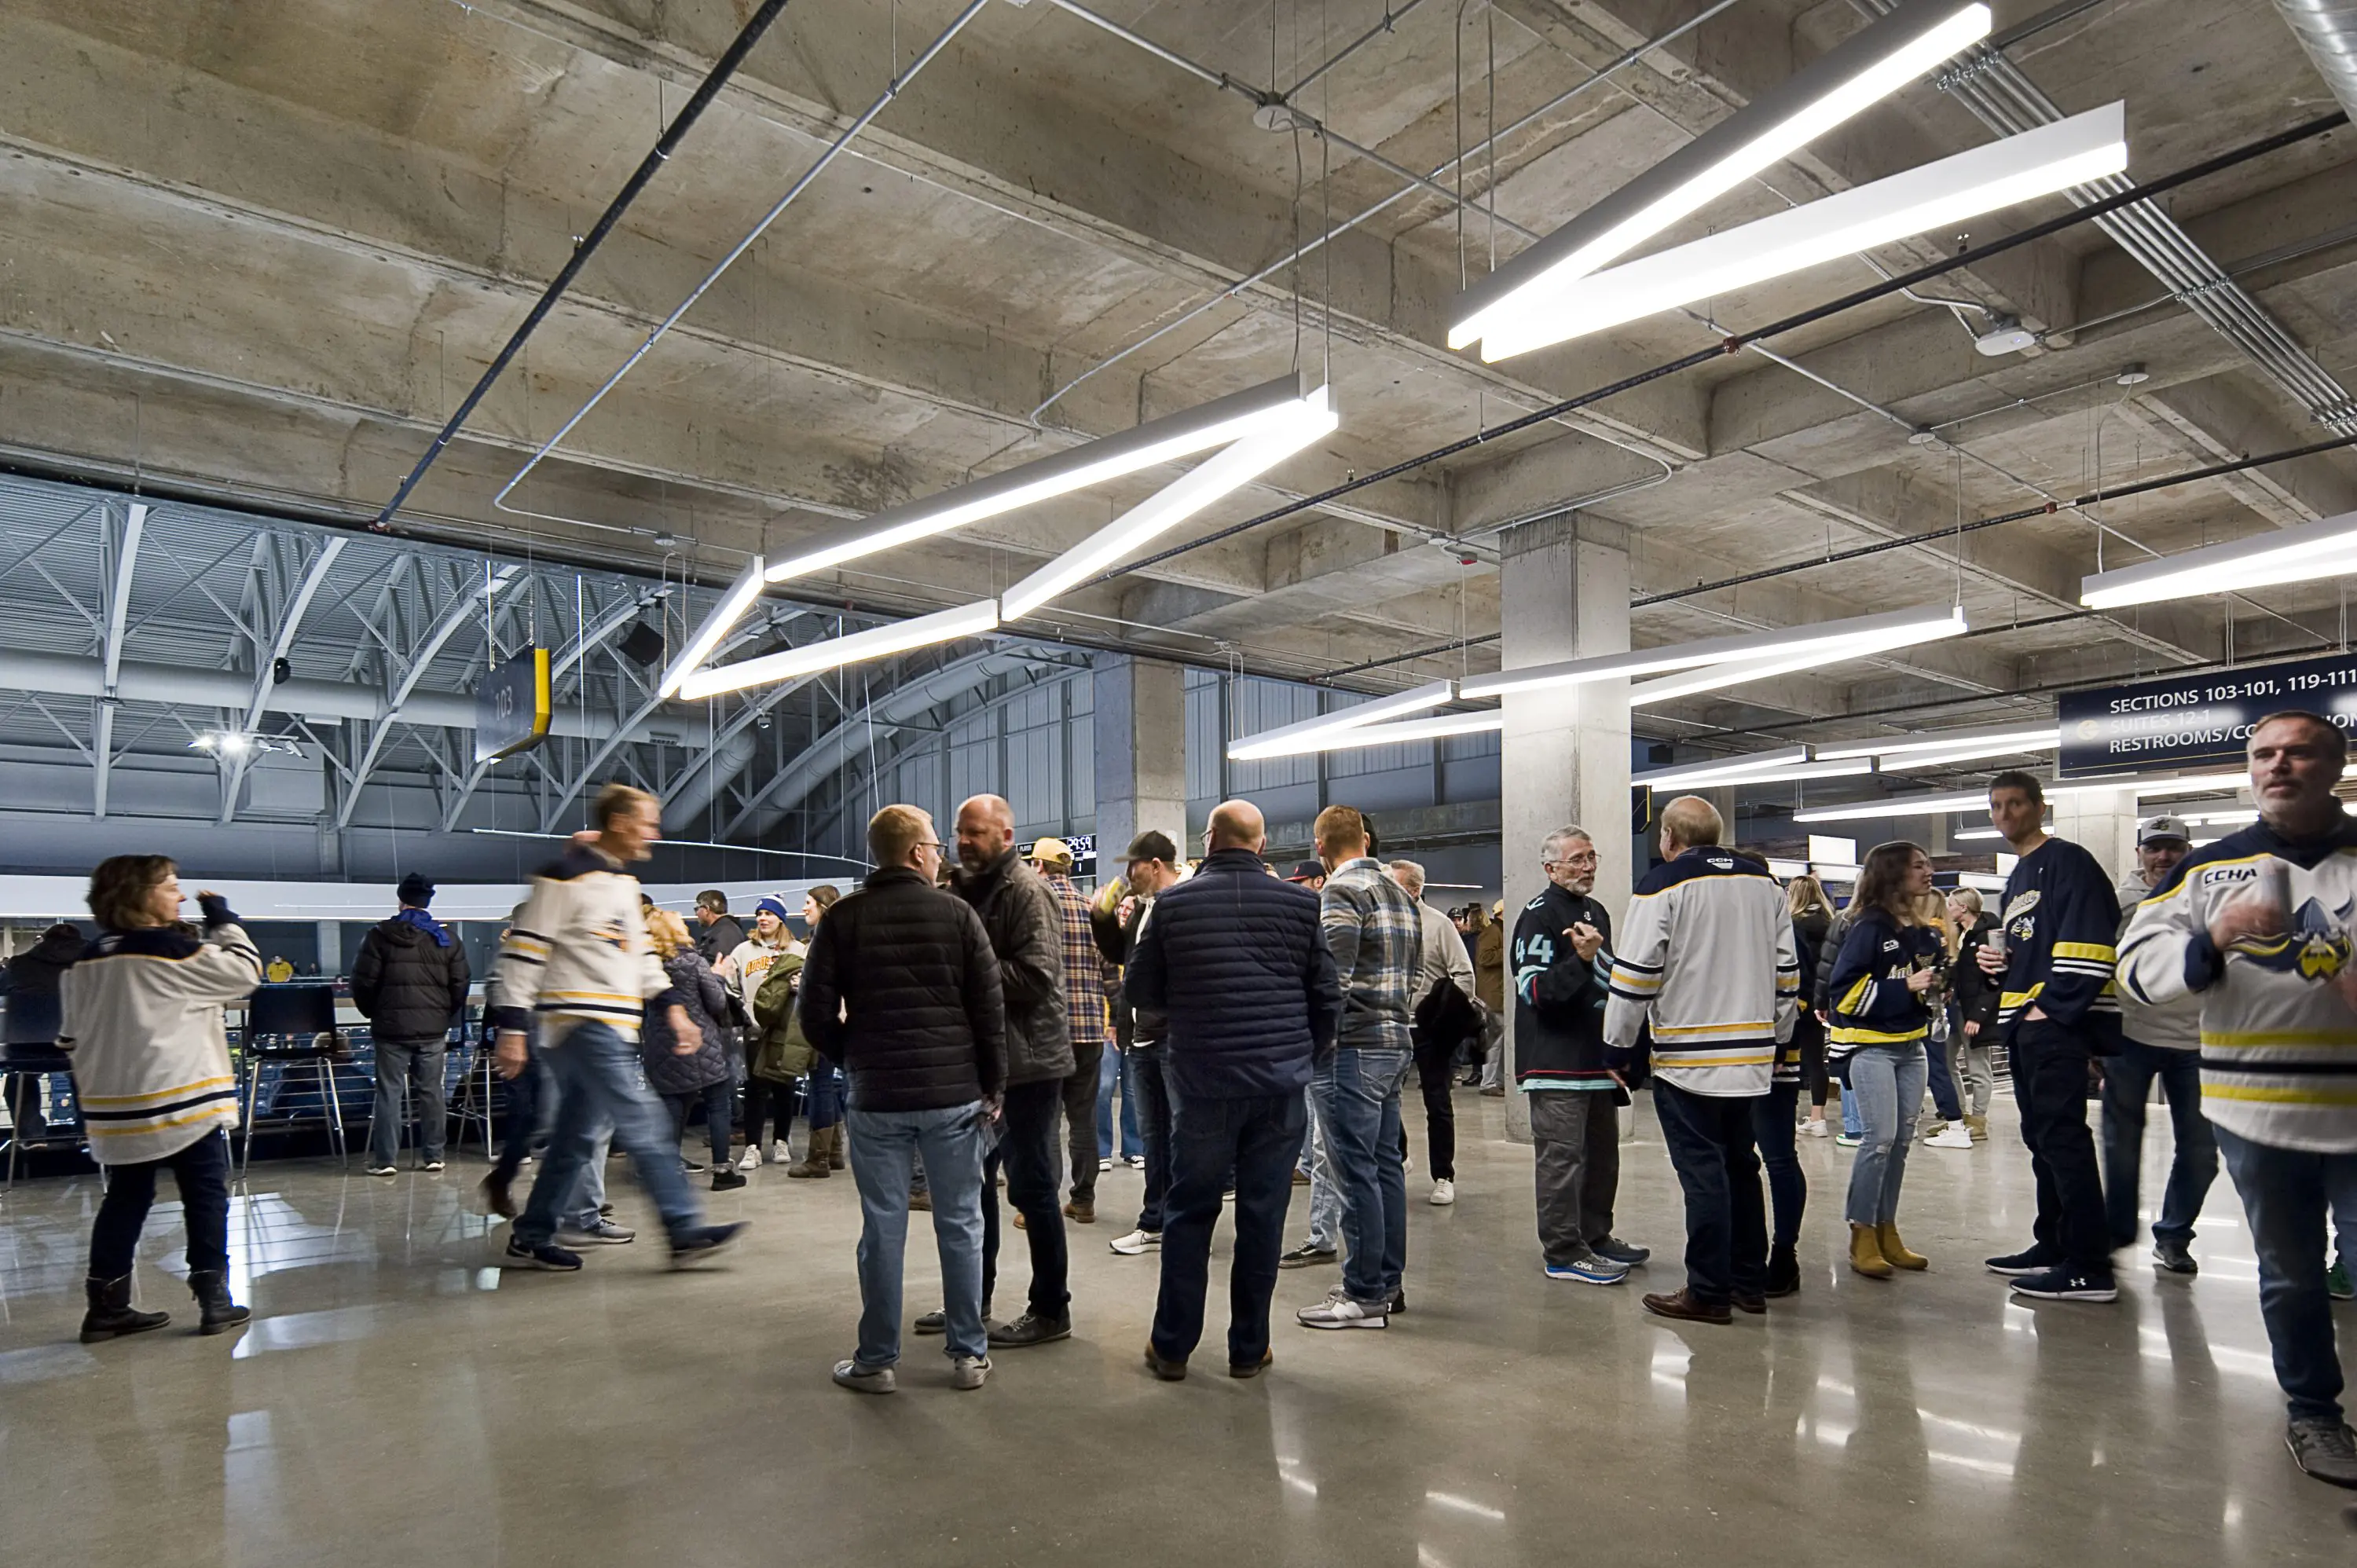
752,1158
1444,1193
779,1155
969,1371
1341,1313
1955,1135
1105,1163
1407,1164
1816,1128
1136,1243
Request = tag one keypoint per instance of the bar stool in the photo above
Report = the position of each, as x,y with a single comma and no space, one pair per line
293,1025
27,1064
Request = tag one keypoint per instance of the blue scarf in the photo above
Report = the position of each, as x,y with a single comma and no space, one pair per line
427,923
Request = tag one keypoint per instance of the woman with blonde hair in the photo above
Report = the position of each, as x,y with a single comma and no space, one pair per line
702,1075
1813,917
1950,1132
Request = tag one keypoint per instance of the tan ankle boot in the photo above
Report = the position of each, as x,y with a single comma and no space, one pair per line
1895,1251
1978,1127
1865,1252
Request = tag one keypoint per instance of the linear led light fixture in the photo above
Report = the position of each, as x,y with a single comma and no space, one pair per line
1902,629
1437,728
2002,741
2037,163
1280,433
1295,739
2326,549
726,614
1690,655
1846,80
1977,801
877,642
1175,435
1707,776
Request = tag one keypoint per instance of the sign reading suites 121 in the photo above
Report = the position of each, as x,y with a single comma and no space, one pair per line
2179,719
513,706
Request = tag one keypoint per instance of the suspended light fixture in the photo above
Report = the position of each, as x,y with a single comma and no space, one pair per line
2316,549
1788,767
1281,432
1952,745
1823,643
1313,735
2037,163
1903,629
1271,406
1853,76
877,642
1256,748
1977,801
731,608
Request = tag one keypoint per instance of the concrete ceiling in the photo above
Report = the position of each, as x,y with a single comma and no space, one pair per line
266,245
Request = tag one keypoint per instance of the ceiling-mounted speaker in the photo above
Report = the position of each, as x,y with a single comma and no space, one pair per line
642,644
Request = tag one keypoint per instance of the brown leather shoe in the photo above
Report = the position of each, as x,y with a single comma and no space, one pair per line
1757,1305
1267,1358
1169,1372
1682,1305
1081,1211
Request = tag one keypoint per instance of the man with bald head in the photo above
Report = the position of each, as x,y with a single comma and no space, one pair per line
1235,960
1019,913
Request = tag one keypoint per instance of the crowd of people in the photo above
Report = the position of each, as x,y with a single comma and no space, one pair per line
945,1016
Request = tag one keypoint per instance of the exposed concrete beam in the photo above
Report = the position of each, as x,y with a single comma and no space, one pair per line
2220,419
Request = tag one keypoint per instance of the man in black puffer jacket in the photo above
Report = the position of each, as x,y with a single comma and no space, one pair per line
900,989
1027,933
1236,960
410,983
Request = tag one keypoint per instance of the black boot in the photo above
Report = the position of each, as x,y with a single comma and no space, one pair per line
1783,1273
111,1314
210,1287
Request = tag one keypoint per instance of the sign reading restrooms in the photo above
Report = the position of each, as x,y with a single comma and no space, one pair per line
2180,720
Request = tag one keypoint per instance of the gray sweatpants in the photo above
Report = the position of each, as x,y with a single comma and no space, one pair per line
1576,1133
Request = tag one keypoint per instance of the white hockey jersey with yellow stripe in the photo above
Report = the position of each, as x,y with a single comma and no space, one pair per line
579,952
1707,957
2278,1036
143,1018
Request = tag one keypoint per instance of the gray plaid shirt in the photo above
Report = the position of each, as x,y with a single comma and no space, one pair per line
1376,934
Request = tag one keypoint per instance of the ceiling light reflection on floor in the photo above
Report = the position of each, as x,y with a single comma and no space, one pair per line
1465,1505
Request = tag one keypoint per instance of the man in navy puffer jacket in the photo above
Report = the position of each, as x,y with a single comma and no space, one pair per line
1235,958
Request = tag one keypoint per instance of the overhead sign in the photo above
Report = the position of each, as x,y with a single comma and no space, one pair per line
2180,720
513,706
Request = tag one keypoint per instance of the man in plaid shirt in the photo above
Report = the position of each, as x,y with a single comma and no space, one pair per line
1085,1008
1376,935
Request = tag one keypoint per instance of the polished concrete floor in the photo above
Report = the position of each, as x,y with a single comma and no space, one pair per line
397,1401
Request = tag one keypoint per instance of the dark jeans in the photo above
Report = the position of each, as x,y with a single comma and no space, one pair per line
201,1173
1709,1139
719,1101
419,1063
2050,1085
822,1094
1027,1148
1942,1079
529,1096
1432,1075
2286,1196
1153,1092
2127,1090
1081,1118
1257,1137
767,1100
1576,1139
1773,1124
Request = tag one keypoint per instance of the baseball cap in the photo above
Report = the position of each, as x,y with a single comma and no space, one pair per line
2153,828
1052,852
1303,870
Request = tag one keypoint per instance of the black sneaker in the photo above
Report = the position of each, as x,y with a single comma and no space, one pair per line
2034,1261
2170,1257
1626,1253
705,1243
933,1322
1399,1301
1030,1329
2324,1449
690,1168
548,1255
2064,1285
1306,1256
726,1178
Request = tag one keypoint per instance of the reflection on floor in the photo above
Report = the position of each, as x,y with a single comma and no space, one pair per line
396,1401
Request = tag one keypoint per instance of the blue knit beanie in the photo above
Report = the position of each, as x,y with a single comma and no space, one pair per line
774,905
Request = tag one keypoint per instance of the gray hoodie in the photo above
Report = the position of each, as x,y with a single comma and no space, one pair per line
2175,1027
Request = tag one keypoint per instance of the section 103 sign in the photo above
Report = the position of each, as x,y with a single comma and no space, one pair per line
513,706
2175,721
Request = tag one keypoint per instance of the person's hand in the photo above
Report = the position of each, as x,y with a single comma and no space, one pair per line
1922,980
993,1106
1972,1029
2036,1015
1584,939
508,1055
1991,960
2240,920
689,1039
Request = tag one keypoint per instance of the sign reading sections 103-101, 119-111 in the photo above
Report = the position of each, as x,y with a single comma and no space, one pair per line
2176,721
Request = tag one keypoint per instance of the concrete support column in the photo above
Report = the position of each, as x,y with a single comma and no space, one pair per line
2103,824
331,947
1141,761
1563,594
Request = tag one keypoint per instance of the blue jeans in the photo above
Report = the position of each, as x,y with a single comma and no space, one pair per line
1886,1081
1943,1079
419,1065
1150,1079
2287,1194
1358,1107
2127,1090
1115,1067
822,1094
598,1080
885,1146
1256,1137
1325,1197
1852,1123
